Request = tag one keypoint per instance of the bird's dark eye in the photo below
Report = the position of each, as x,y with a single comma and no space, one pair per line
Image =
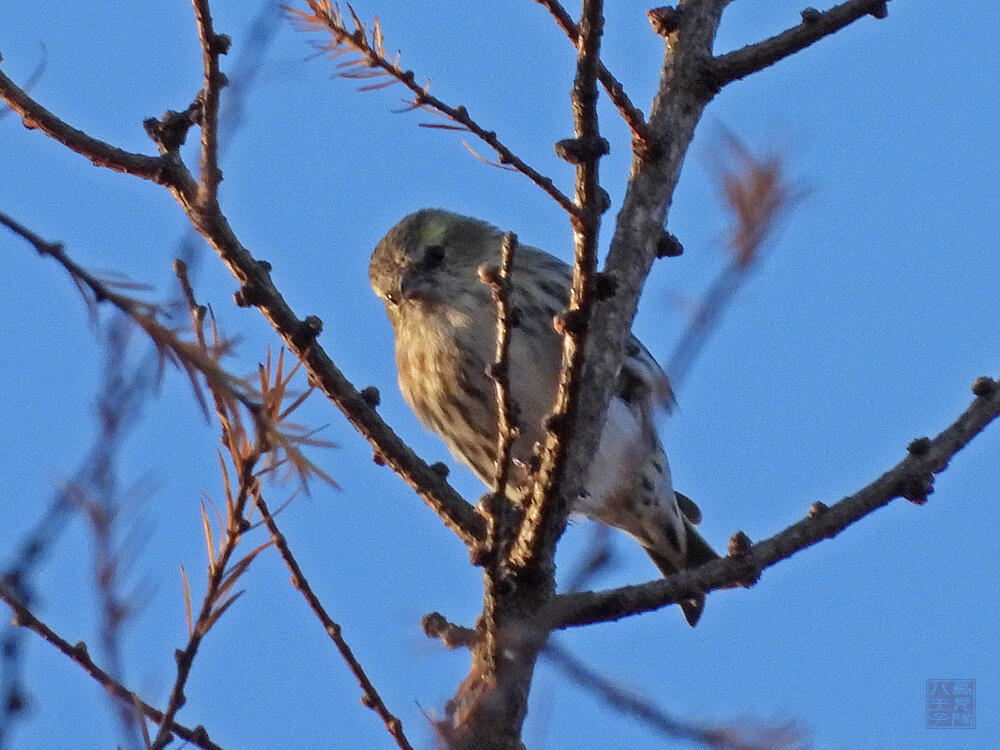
391,297
433,256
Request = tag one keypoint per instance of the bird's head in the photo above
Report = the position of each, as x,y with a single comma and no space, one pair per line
431,257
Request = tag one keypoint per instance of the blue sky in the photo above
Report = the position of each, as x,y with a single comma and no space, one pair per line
863,329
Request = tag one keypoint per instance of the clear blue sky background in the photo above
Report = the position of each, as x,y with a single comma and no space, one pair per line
863,329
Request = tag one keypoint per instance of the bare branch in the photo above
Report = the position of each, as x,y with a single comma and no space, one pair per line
497,506
212,45
630,113
185,355
912,478
25,618
370,696
546,513
815,25
221,578
435,625
158,169
757,195
328,17
715,738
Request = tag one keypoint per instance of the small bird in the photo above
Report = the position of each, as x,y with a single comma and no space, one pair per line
426,271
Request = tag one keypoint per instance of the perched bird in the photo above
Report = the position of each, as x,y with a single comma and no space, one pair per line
425,270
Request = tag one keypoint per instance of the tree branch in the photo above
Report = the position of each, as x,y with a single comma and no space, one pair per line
712,737
258,290
25,618
630,113
815,25
370,696
212,45
911,478
328,17
565,460
497,506
159,169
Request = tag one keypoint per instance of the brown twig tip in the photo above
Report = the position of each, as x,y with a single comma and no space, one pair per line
741,548
984,387
605,286
556,424
579,150
307,331
919,447
572,322
371,396
199,734
739,545
489,275
436,626
817,509
221,43
917,488
880,11
810,15
668,246
170,131
664,20
250,295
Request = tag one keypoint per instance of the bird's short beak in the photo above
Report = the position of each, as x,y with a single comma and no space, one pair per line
415,285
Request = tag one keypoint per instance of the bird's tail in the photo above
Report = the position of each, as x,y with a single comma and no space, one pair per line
698,552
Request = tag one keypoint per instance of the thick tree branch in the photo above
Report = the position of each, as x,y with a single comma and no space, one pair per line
25,618
911,478
815,25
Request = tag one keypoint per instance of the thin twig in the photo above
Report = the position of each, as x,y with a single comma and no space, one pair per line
370,696
497,507
214,603
212,45
546,514
630,113
25,618
436,625
158,169
758,196
716,738
183,354
911,478
325,15
815,25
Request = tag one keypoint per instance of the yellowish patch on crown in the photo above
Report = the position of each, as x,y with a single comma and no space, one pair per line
434,230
